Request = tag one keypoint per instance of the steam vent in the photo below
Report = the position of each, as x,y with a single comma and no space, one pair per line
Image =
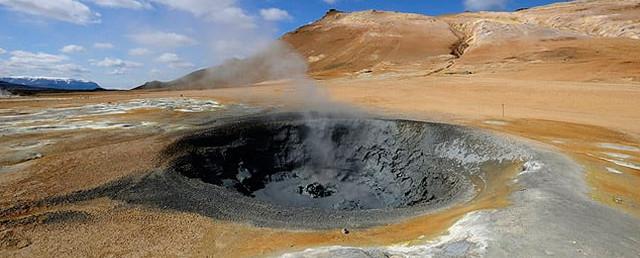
328,171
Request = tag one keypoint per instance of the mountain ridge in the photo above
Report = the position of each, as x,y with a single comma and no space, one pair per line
587,40
52,83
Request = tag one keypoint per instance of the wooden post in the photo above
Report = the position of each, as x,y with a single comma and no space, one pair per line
502,110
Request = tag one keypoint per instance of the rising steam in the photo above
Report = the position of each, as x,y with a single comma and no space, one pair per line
279,61
5,94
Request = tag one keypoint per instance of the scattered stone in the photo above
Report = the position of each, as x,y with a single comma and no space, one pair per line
464,72
617,199
316,190
345,231
35,156
31,156
531,166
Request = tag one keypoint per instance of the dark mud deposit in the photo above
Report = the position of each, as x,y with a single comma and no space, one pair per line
295,171
329,164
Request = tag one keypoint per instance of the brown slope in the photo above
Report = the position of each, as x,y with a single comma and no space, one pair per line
575,41
555,42
343,43
602,18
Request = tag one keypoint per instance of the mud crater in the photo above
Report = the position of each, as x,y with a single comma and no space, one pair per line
317,171
324,163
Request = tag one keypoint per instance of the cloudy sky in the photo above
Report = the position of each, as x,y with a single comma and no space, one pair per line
123,43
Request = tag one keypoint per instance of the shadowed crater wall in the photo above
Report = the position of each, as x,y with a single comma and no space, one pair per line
325,163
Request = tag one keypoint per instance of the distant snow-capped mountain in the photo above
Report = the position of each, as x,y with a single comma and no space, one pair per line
52,83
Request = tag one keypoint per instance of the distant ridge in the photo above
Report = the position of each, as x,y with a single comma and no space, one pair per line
53,83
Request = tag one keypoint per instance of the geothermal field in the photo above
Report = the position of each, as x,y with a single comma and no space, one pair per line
361,134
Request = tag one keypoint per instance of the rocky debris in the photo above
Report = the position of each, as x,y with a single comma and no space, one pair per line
33,156
316,190
618,199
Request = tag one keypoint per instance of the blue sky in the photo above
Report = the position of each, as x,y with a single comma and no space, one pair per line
123,43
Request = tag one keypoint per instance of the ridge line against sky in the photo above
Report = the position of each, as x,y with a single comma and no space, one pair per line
123,43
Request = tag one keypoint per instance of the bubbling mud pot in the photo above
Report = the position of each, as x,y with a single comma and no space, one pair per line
329,171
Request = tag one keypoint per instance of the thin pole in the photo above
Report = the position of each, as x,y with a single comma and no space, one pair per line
503,110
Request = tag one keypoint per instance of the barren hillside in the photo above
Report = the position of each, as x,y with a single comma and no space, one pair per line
587,40
374,41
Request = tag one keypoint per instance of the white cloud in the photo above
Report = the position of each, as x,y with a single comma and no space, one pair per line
69,69
2,51
63,10
173,60
119,66
330,1
139,52
116,62
222,11
167,58
129,4
481,5
68,49
274,14
44,64
20,56
163,39
103,45
233,16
